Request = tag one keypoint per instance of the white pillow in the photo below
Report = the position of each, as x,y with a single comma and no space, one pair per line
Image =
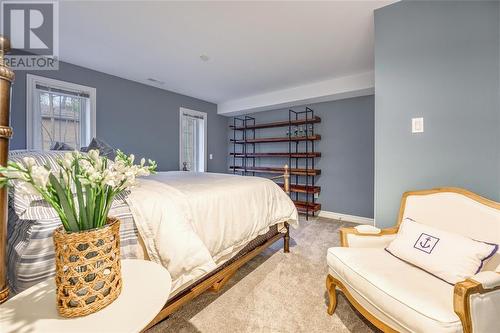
448,256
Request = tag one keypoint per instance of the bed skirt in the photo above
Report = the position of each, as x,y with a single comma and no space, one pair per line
253,244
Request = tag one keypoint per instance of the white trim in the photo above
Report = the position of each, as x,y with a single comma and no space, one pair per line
32,80
346,217
328,90
205,120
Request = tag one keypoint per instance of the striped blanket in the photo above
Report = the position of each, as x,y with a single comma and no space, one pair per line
30,249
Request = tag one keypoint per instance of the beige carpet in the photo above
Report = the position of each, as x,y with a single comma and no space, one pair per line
275,292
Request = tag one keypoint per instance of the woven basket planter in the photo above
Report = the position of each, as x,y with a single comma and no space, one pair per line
88,270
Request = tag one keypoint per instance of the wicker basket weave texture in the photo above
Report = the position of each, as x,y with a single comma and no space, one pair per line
88,270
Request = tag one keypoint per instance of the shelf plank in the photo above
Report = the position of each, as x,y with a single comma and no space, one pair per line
316,119
302,188
280,139
293,155
303,206
293,171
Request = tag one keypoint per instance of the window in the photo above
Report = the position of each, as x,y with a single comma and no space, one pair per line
59,111
193,140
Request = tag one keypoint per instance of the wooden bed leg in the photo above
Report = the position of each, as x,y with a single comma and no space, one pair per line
286,239
332,296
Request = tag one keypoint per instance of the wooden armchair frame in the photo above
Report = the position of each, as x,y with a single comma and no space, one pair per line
461,300
462,291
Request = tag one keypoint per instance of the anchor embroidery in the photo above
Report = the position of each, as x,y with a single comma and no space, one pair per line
426,243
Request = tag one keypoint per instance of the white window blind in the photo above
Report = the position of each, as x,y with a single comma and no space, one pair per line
60,114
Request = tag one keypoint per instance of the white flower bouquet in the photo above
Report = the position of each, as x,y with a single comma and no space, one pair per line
83,188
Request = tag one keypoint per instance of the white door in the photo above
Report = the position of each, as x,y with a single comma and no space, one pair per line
193,140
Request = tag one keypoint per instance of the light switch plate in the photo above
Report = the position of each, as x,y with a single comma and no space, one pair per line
417,125
210,156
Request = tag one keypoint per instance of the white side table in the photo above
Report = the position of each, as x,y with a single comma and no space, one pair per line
146,287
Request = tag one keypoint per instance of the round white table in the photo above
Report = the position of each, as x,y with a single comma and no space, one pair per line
146,287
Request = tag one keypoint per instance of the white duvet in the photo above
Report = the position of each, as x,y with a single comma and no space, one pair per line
193,222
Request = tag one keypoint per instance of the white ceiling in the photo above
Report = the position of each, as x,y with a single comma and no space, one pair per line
253,47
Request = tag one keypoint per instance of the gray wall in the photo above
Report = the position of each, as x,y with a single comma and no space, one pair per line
439,60
347,147
131,116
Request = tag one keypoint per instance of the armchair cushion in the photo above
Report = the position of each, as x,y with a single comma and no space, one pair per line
403,296
367,229
448,256
487,279
353,237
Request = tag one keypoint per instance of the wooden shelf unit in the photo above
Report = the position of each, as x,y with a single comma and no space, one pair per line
303,188
283,154
302,175
304,206
314,120
281,139
293,171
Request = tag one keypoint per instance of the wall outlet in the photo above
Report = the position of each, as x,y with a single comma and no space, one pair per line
211,156
417,125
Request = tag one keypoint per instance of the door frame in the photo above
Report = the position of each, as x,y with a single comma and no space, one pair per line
205,119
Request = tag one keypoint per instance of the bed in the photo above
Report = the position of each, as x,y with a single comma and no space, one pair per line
200,226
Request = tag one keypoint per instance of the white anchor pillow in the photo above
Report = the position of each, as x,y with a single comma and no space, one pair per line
448,256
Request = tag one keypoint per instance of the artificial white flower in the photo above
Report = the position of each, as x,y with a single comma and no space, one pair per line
29,162
100,178
15,174
68,160
94,154
40,176
85,165
65,179
109,178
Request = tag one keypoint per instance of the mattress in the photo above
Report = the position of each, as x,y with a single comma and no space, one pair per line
193,222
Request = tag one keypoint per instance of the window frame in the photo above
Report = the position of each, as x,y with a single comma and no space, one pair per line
195,113
31,82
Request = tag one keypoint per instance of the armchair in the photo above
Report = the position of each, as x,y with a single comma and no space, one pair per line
398,297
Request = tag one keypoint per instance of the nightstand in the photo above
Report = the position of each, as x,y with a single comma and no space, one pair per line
146,287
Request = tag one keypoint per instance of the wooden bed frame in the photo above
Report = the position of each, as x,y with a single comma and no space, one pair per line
6,78
214,281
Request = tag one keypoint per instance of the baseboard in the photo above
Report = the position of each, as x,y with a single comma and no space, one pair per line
346,217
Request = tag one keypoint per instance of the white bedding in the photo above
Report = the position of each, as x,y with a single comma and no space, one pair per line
193,222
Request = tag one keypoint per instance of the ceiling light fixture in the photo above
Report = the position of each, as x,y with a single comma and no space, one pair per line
153,80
